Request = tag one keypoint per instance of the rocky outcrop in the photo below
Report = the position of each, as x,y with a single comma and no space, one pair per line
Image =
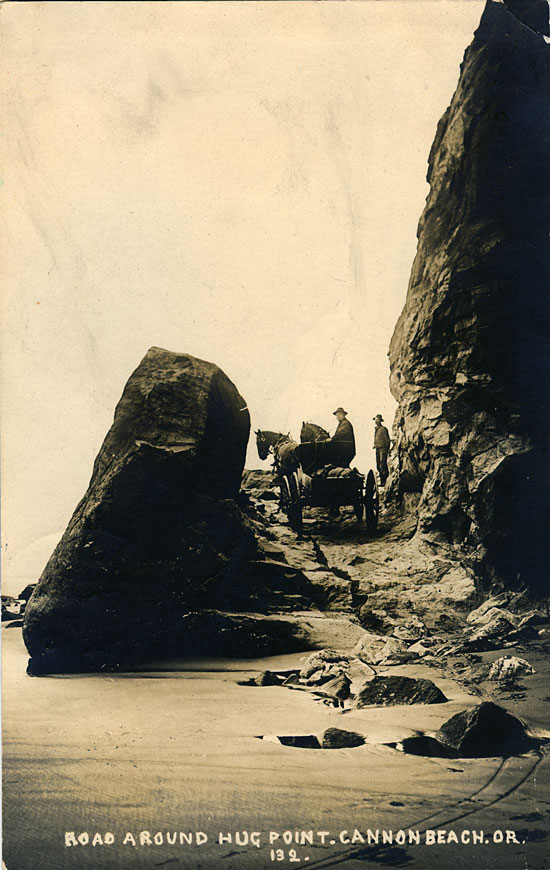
26,593
159,537
470,355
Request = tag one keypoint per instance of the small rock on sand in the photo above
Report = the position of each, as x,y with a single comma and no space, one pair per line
320,659
508,668
376,648
387,691
336,738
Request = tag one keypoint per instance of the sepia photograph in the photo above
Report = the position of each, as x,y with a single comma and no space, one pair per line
275,418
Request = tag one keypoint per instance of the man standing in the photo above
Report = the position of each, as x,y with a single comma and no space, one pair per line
342,443
382,446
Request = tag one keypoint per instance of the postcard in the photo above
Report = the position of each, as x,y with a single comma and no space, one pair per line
275,422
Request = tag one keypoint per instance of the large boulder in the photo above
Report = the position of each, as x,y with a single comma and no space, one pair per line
469,356
484,731
158,533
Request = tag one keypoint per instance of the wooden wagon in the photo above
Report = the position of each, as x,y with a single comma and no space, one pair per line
330,487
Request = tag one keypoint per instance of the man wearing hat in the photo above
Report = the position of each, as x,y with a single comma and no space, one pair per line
382,446
342,449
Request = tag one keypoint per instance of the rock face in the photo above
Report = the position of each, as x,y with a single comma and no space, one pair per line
470,360
157,535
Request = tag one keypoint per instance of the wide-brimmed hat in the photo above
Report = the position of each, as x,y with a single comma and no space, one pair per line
379,417
339,411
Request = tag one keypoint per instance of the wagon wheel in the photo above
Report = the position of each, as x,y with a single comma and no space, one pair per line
372,505
359,505
284,494
294,508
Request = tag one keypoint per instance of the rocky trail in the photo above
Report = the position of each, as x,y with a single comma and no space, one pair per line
397,605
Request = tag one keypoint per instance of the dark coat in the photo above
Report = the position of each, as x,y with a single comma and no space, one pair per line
343,444
381,438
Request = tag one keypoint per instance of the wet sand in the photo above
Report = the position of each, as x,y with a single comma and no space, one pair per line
176,749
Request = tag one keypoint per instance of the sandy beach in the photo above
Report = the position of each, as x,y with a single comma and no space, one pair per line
176,753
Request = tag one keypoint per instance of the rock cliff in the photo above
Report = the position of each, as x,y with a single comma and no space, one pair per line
470,355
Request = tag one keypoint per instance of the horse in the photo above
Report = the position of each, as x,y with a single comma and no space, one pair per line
313,432
281,446
327,451
288,454
316,446
289,471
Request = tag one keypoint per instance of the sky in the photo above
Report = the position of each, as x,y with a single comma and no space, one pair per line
239,181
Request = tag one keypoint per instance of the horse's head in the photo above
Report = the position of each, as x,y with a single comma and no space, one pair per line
267,441
262,444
